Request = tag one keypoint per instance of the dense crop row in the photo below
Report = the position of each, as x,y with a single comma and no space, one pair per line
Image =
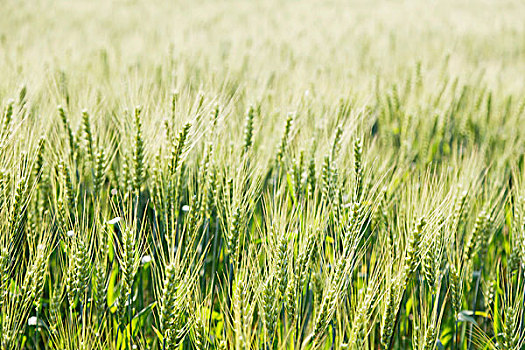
261,190
398,232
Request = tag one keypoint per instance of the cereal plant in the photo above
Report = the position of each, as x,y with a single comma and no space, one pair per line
262,175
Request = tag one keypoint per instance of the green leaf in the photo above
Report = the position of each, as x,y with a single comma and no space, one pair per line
470,313
158,333
446,335
496,322
112,293
409,303
290,187
111,246
139,320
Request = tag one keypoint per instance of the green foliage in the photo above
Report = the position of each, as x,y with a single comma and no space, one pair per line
338,178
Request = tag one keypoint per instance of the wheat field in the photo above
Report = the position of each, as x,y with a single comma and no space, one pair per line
262,174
